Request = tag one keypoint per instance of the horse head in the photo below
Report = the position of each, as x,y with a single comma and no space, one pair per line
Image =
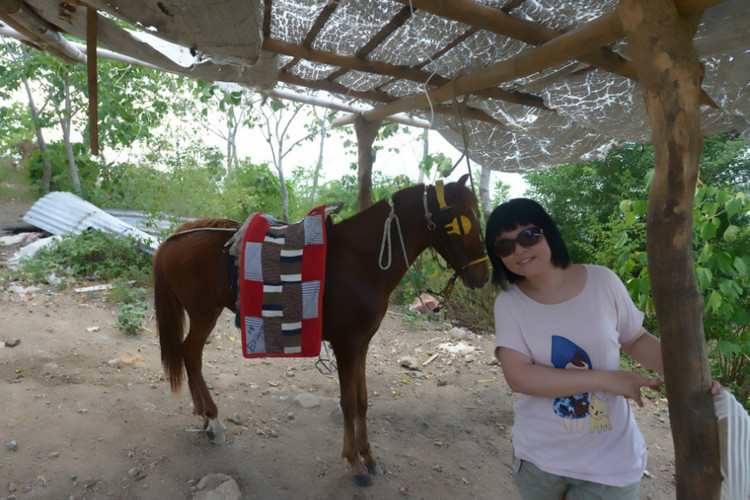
452,213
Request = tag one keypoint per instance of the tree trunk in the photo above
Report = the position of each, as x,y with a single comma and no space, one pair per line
319,165
660,43
425,152
366,133
66,125
47,168
485,199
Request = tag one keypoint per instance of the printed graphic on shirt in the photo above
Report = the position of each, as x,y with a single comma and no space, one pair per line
566,354
599,412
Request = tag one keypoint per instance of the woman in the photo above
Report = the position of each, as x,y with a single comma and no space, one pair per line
560,328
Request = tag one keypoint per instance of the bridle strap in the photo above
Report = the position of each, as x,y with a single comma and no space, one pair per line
452,236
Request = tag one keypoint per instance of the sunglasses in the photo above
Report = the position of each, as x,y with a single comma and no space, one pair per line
526,238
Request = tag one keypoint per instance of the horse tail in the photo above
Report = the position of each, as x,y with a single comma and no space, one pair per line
170,323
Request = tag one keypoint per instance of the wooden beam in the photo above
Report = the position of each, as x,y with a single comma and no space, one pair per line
320,21
376,96
344,61
558,50
340,106
670,73
397,21
381,68
40,32
498,21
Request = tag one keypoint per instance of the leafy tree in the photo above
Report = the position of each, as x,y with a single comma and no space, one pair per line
132,102
578,195
725,162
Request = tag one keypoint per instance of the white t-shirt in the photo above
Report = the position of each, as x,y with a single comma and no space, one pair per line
590,436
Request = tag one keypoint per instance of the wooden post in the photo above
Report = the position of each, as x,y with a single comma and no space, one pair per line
366,133
91,39
660,43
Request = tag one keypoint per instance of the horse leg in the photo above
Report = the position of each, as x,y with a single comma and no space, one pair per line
201,324
348,384
363,442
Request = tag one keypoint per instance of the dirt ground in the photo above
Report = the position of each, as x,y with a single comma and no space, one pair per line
87,414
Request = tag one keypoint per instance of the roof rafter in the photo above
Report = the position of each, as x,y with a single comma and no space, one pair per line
376,96
358,61
320,21
567,46
377,67
556,51
498,21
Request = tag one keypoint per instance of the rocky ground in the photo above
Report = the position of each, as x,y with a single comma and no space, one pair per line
86,412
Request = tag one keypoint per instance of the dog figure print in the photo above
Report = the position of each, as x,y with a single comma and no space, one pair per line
567,355
599,412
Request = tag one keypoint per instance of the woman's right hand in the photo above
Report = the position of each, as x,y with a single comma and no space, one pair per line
629,384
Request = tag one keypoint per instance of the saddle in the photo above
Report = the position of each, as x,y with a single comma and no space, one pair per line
280,283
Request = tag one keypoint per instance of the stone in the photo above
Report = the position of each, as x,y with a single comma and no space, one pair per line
217,487
307,400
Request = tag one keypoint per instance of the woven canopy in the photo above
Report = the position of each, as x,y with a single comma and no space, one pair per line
494,77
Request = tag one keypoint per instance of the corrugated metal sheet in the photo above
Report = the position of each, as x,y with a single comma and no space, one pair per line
65,213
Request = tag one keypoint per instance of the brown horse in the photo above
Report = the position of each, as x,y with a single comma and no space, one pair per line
191,274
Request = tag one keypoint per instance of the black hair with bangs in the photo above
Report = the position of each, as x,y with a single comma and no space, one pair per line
507,217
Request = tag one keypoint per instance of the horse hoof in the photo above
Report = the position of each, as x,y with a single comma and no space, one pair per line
376,470
215,431
363,480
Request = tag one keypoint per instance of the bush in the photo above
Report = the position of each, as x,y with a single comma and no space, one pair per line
92,255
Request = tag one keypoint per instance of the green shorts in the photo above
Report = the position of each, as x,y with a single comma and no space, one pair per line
535,484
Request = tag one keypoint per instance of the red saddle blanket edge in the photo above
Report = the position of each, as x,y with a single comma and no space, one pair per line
268,305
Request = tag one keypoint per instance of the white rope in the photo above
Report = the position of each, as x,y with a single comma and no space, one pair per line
735,452
387,239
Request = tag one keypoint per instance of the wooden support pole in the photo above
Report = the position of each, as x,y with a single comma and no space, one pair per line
91,38
366,133
660,42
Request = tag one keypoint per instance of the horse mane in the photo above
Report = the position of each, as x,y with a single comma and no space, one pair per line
407,191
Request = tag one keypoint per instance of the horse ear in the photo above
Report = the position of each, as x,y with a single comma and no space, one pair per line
462,180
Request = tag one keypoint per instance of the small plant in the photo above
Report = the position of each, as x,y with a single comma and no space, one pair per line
96,255
132,305
131,316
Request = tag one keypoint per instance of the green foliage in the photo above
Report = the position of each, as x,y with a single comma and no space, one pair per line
16,129
721,246
88,166
130,317
469,308
132,306
438,161
576,194
92,255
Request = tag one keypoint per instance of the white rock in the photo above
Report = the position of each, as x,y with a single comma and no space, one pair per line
217,487
459,348
458,333
307,400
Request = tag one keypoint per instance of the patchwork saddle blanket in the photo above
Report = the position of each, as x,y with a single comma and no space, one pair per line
281,280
